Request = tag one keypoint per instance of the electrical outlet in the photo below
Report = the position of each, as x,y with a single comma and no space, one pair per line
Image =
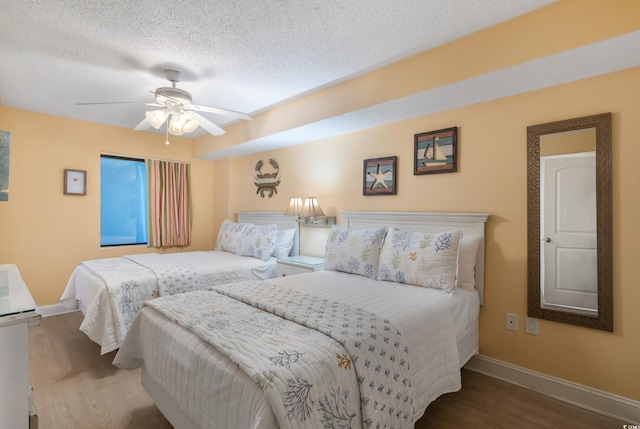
511,322
531,326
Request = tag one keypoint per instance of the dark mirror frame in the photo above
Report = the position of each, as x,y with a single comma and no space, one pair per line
602,125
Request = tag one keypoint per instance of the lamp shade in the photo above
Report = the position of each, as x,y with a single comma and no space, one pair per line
295,207
180,124
175,125
311,208
190,125
157,117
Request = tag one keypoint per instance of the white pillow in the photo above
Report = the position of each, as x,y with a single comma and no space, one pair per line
421,259
467,263
284,242
230,236
355,251
258,241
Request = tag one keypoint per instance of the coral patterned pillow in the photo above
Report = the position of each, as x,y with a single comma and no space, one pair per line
258,241
422,259
230,236
355,251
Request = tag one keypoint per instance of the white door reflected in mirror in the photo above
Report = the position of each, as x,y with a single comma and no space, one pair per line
568,275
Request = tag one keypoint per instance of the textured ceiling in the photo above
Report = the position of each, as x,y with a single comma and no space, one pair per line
250,55
619,53
243,55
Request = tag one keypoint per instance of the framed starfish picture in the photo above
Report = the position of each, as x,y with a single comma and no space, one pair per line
379,176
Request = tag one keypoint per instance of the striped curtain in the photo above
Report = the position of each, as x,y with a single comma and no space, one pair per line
169,202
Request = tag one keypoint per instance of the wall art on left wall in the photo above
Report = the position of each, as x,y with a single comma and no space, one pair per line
5,146
75,182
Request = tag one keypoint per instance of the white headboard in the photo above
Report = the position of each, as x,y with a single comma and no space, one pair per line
277,218
468,223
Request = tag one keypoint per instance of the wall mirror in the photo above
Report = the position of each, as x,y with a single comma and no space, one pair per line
569,261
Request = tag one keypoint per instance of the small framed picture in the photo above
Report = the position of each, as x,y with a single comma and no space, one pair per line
379,176
436,152
75,182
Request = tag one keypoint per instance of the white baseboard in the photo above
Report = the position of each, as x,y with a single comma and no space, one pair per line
581,396
61,307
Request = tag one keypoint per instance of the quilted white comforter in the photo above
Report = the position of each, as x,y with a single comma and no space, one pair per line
215,392
309,355
123,284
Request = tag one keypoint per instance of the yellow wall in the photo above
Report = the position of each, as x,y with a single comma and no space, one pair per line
45,233
492,178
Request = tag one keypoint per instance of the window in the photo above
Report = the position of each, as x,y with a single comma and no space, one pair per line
123,201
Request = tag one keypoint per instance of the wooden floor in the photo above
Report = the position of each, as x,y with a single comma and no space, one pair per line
75,387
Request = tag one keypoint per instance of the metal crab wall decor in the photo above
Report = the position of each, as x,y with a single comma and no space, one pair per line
267,182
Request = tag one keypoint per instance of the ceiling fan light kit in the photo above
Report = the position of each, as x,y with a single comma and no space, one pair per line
189,125
157,117
181,124
178,111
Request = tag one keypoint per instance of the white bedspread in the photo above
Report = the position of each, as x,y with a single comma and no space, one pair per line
216,393
112,290
305,352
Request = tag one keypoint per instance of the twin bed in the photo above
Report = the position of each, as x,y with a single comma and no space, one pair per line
111,291
336,348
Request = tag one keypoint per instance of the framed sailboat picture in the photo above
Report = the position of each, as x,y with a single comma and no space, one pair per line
436,152
379,176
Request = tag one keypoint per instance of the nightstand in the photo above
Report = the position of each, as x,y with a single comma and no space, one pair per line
299,265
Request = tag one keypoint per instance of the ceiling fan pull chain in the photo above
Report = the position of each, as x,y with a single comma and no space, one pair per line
167,142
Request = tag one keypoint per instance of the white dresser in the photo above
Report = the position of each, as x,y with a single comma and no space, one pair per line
17,315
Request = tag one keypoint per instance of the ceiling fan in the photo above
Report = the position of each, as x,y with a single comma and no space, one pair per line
178,111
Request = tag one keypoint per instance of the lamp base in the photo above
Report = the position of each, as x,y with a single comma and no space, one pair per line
318,222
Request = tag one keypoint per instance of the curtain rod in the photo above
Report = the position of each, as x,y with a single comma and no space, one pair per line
141,157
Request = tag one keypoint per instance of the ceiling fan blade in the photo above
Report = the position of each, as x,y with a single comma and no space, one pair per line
113,102
143,125
206,124
218,110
